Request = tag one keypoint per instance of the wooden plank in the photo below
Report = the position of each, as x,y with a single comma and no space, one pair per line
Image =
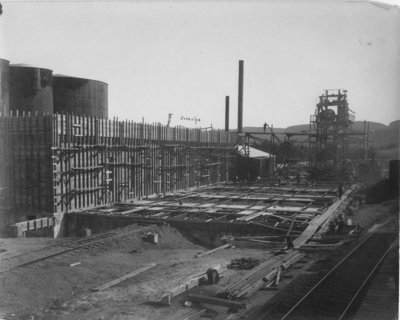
213,250
236,305
266,241
191,315
132,210
251,216
125,277
38,163
319,220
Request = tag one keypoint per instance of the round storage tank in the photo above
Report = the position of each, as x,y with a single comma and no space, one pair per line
31,89
4,86
80,96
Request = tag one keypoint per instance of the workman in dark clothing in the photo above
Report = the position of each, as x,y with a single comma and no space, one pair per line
340,191
212,276
340,224
332,227
265,127
289,242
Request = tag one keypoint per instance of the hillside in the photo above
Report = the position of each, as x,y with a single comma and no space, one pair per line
384,139
356,126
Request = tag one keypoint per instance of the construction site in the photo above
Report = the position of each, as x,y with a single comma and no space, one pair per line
116,219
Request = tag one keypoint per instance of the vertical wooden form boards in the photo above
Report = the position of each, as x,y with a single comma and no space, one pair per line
6,187
84,149
25,163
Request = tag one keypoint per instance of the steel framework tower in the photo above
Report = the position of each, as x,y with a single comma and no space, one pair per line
330,128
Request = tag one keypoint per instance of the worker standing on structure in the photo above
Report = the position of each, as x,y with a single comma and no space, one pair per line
265,127
340,191
340,223
332,227
289,243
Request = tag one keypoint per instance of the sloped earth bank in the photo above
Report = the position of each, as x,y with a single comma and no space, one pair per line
52,289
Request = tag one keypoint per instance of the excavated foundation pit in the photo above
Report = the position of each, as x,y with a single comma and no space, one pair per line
212,216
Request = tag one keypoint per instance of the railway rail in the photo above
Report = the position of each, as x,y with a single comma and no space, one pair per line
338,293
20,259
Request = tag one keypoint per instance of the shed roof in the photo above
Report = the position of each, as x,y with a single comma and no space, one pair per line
254,153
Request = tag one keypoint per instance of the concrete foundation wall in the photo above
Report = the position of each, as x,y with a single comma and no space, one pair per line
207,232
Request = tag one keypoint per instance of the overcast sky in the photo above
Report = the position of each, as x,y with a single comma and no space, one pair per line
182,57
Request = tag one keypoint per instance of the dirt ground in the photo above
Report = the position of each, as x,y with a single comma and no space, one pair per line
52,289
368,214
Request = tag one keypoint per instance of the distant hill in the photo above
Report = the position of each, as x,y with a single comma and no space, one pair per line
298,128
356,126
261,130
395,124
384,139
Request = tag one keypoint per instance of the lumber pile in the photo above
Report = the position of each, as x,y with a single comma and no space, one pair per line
193,314
259,276
235,305
243,263
167,296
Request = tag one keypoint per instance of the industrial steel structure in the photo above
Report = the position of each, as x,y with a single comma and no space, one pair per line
332,124
330,134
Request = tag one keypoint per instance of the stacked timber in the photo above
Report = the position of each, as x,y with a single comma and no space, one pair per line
258,277
243,263
192,314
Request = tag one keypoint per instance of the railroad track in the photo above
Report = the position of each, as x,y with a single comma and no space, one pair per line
20,259
337,293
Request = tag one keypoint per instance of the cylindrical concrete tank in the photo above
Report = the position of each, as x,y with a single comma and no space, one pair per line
80,96
4,86
31,89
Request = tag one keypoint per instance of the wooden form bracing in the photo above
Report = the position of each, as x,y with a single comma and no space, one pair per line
56,163
107,161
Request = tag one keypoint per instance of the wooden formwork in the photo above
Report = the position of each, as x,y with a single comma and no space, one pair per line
56,163
25,176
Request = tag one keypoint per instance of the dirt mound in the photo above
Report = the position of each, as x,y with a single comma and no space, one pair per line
132,239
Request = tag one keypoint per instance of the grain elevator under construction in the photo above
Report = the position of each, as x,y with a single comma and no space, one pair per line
189,223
